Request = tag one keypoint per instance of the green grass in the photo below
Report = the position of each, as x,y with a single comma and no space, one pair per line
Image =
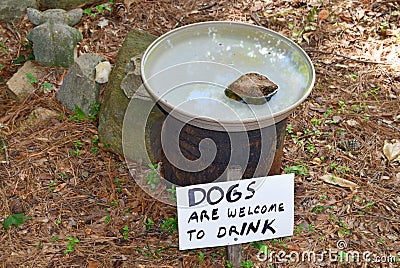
15,220
298,170
72,241
47,86
31,78
149,223
126,232
152,178
170,225
99,9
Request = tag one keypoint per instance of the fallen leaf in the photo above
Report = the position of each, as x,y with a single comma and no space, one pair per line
316,161
306,37
93,264
257,6
332,179
318,109
391,32
14,219
59,187
392,150
360,14
294,248
323,15
392,237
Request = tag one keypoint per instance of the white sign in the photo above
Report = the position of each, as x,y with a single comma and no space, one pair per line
235,212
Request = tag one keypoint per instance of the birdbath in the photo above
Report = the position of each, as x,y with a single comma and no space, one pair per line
186,71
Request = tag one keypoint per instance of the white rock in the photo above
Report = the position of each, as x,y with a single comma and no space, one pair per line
103,70
352,122
103,23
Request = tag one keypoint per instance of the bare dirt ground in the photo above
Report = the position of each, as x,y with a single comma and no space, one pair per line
84,209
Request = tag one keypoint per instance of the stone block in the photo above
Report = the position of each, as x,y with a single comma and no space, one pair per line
123,84
15,9
19,87
79,86
54,40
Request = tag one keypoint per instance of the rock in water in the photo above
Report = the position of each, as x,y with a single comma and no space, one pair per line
252,88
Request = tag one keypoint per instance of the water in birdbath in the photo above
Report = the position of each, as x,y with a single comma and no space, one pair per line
189,70
208,100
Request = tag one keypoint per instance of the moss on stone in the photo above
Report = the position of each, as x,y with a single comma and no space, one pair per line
115,101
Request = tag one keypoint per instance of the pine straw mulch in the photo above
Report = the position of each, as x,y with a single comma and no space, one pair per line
70,189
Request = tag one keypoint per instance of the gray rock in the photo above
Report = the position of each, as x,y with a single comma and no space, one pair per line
13,9
60,16
124,82
66,4
54,40
19,87
132,77
79,86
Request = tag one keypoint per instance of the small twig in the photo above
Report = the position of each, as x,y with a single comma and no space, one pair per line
382,216
389,125
180,20
207,6
77,189
256,19
383,2
4,149
113,194
282,14
343,56
17,35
